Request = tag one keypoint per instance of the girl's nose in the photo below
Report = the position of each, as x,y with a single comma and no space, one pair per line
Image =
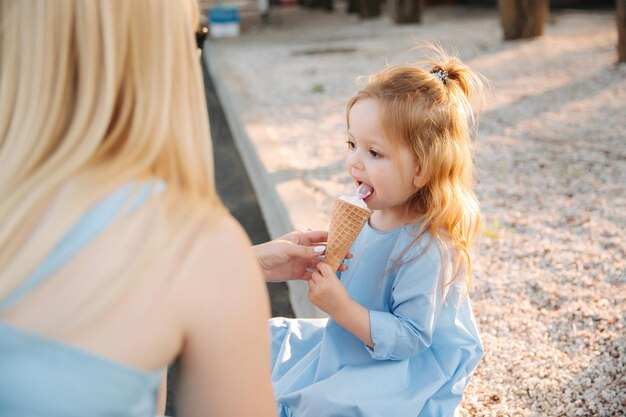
354,163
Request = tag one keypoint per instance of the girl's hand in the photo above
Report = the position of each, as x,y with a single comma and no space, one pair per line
327,292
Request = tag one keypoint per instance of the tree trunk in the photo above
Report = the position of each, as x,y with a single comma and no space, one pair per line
369,8
523,18
405,11
621,30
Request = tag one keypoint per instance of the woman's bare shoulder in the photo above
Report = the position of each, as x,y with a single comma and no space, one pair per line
224,248
222,267
226,236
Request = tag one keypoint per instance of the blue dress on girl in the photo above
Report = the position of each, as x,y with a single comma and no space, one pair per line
42,377
426,344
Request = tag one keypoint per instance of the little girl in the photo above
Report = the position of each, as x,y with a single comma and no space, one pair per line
401,339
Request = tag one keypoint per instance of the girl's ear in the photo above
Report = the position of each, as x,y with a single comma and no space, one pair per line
418,178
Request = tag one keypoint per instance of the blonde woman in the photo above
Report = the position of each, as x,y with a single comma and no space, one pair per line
116,255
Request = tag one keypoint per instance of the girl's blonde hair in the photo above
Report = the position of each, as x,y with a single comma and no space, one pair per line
429,113
96,94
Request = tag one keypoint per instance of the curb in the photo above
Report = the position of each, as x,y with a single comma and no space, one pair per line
275,214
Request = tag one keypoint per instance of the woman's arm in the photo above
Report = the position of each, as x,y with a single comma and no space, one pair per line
225,361
162,396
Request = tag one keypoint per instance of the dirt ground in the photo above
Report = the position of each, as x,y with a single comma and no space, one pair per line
550,267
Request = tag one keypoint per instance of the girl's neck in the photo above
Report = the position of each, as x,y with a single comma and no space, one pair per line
385,220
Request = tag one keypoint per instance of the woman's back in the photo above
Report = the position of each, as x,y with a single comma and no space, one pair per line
56,363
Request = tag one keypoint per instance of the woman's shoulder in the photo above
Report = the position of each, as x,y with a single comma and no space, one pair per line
200,234
225,239
197,236
217,238
220,277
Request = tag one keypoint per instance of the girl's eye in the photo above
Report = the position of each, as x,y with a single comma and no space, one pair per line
351,144
374,154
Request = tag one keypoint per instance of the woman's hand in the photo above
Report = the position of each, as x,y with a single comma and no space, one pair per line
327,292
291,256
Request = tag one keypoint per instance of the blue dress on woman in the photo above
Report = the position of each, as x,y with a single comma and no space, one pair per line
43,377
426,344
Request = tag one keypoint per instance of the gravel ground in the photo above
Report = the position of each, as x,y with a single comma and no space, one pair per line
550,268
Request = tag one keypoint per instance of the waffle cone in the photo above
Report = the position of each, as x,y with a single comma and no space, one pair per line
346,221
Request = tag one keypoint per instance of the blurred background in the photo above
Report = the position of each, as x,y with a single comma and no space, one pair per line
550,266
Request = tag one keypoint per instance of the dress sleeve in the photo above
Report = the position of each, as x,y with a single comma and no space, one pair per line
416,303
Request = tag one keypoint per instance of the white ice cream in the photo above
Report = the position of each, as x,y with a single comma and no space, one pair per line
354,200
357,199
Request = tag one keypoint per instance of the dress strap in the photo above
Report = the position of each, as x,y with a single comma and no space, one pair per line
123,201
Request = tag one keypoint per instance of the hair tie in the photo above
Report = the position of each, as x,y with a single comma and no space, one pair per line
441,75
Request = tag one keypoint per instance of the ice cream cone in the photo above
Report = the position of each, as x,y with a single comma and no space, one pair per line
346,221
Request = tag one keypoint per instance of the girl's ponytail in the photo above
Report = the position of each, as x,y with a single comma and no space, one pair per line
462,84
453,74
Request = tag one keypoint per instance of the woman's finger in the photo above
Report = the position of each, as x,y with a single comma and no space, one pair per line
316,236
312,264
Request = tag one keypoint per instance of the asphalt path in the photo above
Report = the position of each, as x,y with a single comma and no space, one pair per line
235,189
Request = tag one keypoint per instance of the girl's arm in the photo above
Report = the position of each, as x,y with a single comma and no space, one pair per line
415,306
330,296
356,319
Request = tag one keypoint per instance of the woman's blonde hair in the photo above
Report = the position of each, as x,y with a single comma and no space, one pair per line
428,112
97,94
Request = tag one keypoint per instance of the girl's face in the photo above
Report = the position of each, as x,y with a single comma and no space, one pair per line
371,159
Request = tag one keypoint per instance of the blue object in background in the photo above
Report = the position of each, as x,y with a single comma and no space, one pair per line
224,21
